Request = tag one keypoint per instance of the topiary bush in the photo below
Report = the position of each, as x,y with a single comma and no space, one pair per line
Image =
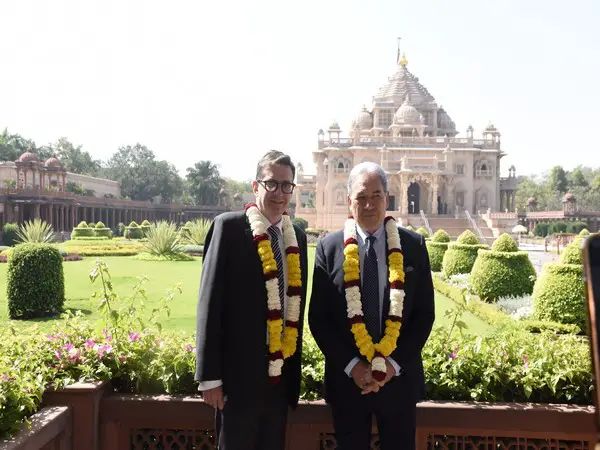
576,227
572,253
541,229
461,255
145,226
423,232
436,247
10,234
585,232
502,271
101,231
133,231
35,281
82,230
559,295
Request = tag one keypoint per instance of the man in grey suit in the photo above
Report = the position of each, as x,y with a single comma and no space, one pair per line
371,281
247,370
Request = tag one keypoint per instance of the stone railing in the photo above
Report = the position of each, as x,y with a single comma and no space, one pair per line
100,420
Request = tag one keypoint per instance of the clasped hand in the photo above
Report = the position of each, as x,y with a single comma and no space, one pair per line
363,378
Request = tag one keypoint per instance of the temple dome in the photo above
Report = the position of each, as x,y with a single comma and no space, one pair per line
53,162
364,120
404,83
28,157
408,114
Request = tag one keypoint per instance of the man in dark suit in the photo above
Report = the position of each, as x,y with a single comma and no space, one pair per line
354,389
239,355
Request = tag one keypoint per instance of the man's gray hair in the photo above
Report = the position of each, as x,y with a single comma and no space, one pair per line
367,167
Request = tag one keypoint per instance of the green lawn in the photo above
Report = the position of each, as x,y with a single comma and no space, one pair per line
163,276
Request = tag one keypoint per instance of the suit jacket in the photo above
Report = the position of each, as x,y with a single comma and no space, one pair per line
232,314
330,326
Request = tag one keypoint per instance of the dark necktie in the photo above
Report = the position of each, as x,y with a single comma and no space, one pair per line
274,233
370,291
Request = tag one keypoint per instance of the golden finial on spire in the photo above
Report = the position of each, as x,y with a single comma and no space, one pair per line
403,61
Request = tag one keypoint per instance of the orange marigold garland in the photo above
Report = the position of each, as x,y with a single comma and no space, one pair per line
374,352
282,339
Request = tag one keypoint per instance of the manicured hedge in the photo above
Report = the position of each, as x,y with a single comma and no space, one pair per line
502,271
82,230
133,231
461,255
559,295
436,247
9,234
572,253
423,232
35,281
145,226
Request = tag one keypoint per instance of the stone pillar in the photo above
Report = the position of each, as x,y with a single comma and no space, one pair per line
435,202
36,212
93,214
403,206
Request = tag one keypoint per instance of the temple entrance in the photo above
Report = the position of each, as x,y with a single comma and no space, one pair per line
414,194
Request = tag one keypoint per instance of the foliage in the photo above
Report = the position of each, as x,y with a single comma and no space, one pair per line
461,255
193,249
440,236
100,225
75,188
141,176
82,231
584,232
467,237
436,251
572,253
35,281
133,231
36,231
504,243
509,366
313,369
541,229
13,145
102,247
10,234
74,159
195,232
498,274
204,183
559,295
300,223
145,256
422,231
163,240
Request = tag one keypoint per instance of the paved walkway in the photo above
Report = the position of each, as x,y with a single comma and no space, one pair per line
538,256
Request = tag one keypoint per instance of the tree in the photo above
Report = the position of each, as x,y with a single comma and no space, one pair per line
141,176
205,183
13,145
74,159
557,179
577,178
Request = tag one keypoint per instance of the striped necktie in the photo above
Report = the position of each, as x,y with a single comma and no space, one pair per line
274,233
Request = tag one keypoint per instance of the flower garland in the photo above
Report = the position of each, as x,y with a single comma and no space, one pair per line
282,341
374,352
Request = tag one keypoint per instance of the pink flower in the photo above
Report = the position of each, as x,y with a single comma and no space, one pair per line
188,348
525,361
122,358
5,378
89,344
133,336
103,349
107,335
51,337
68,347
58,354
74,355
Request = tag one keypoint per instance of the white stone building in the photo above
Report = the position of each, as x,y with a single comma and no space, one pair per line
430,168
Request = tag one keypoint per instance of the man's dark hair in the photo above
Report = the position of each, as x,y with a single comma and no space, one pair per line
274,157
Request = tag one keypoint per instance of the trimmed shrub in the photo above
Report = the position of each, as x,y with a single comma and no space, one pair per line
82,230
572,253
440,236
504,243
436,247
192,249
145,226
101,231
557,227
120,229
133,231
559,295
498,274
585,232
35,281
10,234
541,229
410,227
461,255
423,232
576,227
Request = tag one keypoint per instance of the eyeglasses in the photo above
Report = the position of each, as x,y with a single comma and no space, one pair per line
272,186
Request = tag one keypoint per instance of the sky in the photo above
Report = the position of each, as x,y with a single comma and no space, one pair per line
228,80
